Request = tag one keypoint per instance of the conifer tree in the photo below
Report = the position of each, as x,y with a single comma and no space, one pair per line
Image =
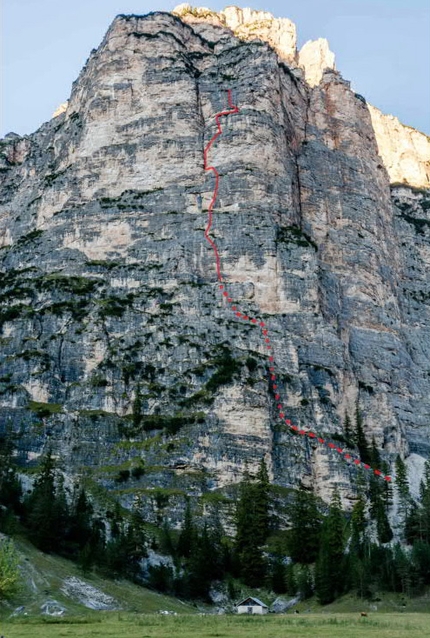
413,528
201,566
262,503
249,535
291,583
357,573
380,496
167,545
278,576
329,575
360,437
220,559
378,509
402,484
80,519
61,516
402,488
305,528
425,504
375,457
135,545
387,487
421,563
347,428
304,582
402,570
137,408
358,527
187,535
42,513
10,486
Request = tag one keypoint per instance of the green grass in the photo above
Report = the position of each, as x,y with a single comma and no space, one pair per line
45,409
43,578
118,625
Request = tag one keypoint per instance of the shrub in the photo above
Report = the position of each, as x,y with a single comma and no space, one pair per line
9,570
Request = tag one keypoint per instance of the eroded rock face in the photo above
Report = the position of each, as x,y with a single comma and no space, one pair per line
315,57
116,345
247,24
405,151
62,108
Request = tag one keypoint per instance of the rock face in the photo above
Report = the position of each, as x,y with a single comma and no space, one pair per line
60,109
117,349
404,150
315,57
247,25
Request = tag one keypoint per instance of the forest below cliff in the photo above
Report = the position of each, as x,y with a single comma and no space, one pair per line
324,551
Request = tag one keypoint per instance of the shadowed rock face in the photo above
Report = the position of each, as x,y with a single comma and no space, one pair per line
116,345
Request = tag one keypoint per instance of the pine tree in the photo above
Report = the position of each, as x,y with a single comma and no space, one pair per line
97,541
220,559
278,576
375,457
80,520
383,528
402,571
201,566
304,582
329,577
167,545
61,516
421,562
379,497
387,487
10,486
357,572
402,484
291,581
85,558
137,408
347,428
304,539
402,488
413,524
187,535
358,527
262,503
425,504
41,507
249,534
360,437
135,545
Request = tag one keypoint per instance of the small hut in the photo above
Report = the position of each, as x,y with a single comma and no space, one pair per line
251,605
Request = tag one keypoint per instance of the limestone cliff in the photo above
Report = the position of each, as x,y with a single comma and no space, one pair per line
405,151
116,347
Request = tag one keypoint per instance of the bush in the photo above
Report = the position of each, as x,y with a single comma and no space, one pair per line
122,476
9,570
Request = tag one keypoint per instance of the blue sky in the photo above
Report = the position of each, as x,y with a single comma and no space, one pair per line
382,46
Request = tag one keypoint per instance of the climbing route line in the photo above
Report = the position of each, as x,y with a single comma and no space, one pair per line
257,322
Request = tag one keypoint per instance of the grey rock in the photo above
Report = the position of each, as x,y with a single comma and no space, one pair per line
280,605
116,345
52,607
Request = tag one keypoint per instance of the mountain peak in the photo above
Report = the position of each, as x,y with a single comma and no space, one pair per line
315,57
247,24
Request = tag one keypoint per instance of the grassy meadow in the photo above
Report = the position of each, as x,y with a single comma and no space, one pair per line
44,576
119,625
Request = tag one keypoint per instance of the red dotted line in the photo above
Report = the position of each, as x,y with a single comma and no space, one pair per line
264,331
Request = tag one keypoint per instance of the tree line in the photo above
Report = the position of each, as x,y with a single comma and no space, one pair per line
325,551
